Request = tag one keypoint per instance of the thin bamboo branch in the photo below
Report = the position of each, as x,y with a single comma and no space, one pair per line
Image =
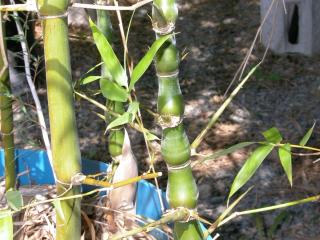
112,8
219,112
239,73
104,108
26,59
6,113
94,182
269,208
30,6
76,196
140,122
97,104
179,214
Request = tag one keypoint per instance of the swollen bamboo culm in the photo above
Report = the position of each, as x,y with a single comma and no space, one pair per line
175,148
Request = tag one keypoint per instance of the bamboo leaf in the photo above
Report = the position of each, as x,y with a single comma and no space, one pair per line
286,161
59,211
151,137
250,167
113,66
90,79
145,62
94,68
306,137
272,135
227,151
112,91
133,109
122,119
14,199
6,225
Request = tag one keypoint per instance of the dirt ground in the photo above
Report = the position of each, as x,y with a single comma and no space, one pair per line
283,93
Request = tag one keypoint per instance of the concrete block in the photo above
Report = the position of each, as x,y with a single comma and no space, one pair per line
295,30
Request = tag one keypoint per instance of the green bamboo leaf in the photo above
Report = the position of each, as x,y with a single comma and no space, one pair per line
112,91
250,167
145,62
133,109
59,211
6,225
14,199
226,151
272,135
90,79
151,137
113,66
286,161
306,137
122,119
94,68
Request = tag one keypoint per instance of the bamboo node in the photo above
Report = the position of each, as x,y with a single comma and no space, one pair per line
169,121
169,28
168,75
178,167
45,17
186,213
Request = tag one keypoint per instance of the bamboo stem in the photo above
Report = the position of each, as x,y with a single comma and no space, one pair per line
64,136
6,113
182,191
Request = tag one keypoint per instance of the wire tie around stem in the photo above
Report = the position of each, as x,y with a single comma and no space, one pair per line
178,167
77,179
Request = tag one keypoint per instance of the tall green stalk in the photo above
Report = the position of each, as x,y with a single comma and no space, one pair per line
6,113
64,137
175,148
